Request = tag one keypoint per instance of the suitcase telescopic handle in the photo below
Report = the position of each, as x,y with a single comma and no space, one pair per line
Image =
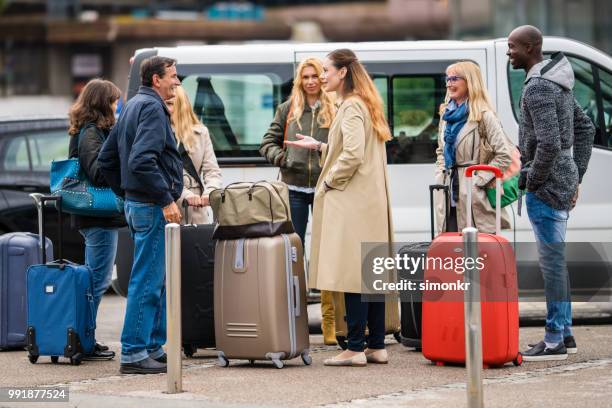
41,200
433,188
186,212
470,183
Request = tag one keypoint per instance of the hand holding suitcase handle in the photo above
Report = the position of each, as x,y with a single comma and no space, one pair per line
498,177
40,201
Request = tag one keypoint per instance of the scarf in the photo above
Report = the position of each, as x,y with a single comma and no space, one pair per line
455,117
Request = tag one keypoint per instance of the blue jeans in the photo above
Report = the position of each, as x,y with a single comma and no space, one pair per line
300,204
359,312
144,328
549,226
100,251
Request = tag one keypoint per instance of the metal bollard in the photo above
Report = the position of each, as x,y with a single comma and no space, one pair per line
473,322
173,307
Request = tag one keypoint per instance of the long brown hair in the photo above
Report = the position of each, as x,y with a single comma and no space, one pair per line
478,97
298,97
358,82
94,105
184,119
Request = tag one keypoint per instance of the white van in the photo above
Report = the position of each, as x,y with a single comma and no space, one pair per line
235,90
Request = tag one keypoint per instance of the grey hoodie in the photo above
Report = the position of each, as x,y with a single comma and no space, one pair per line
552,123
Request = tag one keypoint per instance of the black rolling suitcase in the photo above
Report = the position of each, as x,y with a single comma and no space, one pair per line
197,274
411,305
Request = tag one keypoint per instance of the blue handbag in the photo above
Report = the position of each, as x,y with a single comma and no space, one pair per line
79,196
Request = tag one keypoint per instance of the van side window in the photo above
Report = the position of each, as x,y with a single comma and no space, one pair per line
382,85
416,102
584,87
605,81
236,108
591,90
412,92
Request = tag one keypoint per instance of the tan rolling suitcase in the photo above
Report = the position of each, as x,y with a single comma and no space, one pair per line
260,300
392,318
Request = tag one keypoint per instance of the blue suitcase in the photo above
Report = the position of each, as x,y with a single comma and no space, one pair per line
18,250
60,305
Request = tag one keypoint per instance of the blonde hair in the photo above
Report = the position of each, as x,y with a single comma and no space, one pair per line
478,96
358,82
184,119
298,97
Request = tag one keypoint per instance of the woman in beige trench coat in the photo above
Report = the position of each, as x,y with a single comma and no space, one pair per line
476,136
351,204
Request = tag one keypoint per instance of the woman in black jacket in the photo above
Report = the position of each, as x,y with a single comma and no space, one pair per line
91,117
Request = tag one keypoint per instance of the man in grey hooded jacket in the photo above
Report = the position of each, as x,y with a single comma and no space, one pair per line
555,140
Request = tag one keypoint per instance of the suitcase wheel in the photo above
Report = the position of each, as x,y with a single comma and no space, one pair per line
278,364
440,363
54,359
518,360
76,359
398,337
307,359
223,361
189,350
33,359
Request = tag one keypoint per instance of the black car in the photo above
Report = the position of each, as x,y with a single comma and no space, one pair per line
27,147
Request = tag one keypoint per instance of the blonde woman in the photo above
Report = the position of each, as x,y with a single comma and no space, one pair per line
309,111
201,173
352,204
470,133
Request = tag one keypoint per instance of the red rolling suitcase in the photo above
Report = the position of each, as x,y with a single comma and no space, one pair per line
443,313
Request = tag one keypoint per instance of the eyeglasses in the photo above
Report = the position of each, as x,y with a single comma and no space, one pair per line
452,79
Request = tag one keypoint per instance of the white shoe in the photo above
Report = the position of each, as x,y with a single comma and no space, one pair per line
358,360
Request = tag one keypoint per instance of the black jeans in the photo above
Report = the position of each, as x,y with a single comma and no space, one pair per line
300,204
358,314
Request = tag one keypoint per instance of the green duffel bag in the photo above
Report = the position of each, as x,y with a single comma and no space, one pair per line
509,195
251,210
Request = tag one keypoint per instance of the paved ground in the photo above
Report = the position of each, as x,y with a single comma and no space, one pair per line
409,380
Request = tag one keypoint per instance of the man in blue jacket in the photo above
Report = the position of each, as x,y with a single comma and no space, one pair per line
141,162
555,140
